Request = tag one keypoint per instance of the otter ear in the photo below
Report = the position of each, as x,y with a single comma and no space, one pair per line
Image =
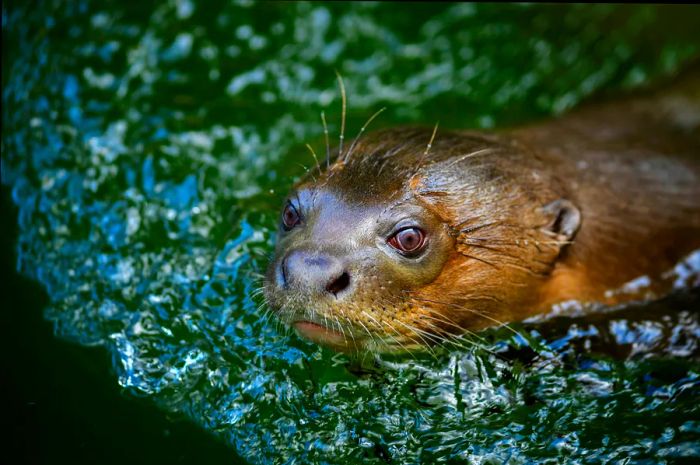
565,219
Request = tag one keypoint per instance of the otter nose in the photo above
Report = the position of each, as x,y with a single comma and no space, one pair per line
315,272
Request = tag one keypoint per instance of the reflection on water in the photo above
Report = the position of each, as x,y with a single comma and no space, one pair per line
148,149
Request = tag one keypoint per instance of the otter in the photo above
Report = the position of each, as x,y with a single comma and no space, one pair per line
411,236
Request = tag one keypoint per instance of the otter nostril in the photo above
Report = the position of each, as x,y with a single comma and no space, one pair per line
338,284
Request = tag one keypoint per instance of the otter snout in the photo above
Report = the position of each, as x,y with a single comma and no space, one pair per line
314,272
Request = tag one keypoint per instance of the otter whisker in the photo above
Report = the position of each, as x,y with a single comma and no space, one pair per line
433,316
430,142
282,311
256,292
526,269
471,229
398,340
328,145
478,313
501,253
307,170
427,344
484,151
472,310
371,336
427,148
379,326
446,338
313,153
458,342
267,314
401,336
325,319
259,306
459,228
359,134
254,274
350,328
340,328
478,259
405,349
341,84
268,310
263,253
491,249
519,243
420,332
313,314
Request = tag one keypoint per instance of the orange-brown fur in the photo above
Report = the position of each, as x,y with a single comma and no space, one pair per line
629,169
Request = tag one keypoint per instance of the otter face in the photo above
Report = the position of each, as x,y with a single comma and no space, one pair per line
389,249
343,271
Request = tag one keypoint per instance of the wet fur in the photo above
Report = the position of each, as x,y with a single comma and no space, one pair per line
630,167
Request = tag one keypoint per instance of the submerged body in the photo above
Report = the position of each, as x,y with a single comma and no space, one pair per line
401,242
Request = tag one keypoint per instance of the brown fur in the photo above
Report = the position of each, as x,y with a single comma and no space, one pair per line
630,168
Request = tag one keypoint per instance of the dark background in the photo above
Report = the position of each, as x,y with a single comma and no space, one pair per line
63,403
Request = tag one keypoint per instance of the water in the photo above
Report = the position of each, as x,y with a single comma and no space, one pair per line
148,152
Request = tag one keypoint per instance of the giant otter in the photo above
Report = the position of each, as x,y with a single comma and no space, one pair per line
404,240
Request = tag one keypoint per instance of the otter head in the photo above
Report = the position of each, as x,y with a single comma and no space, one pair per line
393,246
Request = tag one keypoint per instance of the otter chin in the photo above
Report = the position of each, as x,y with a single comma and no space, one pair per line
410,237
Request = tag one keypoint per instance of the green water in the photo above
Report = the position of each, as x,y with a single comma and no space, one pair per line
148,150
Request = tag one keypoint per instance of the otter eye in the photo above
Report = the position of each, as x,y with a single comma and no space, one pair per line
408,241
290,217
